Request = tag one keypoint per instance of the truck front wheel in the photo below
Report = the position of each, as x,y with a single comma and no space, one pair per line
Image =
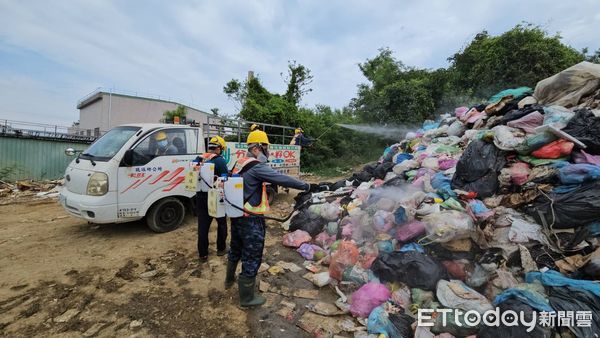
165,215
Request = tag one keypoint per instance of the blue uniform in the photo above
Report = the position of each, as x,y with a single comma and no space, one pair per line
204,219
248,233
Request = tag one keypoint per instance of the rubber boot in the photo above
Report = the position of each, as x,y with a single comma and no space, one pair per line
230,276
247,296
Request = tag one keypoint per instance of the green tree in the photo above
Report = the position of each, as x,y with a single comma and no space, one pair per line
519,57
395,93
298,80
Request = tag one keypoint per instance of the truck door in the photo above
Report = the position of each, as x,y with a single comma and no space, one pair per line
160,162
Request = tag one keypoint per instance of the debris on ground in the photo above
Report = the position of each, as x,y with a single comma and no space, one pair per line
27,190
480,208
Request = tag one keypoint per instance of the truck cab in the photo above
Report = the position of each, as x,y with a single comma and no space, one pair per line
127,174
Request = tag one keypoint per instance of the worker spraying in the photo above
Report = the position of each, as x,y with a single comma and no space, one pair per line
216,147
248,231
300,139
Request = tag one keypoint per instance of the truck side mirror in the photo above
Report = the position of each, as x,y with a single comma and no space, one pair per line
70,152
128,158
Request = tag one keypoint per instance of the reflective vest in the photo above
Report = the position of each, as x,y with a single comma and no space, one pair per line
263,207
208,156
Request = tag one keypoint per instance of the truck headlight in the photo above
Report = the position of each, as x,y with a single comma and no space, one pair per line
98,184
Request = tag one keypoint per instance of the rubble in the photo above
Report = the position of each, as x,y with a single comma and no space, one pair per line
477,209
26,191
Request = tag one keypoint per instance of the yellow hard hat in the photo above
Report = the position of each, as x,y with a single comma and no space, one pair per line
298,130
218,140
253,127
258,136
161,135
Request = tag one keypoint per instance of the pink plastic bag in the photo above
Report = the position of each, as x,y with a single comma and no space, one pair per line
519,173
324,239
460,111
311,251
446,164
528,122
368,297
296,238
410,231
346,255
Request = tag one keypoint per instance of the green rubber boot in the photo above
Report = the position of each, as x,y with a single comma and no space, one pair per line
247,296
230,277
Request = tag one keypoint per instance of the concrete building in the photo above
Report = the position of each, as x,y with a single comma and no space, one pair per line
104,109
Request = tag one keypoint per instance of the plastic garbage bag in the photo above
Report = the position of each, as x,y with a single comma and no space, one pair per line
382,221
519,173
557,116
448,225
479,209
296,238
528,123
400,215
449,150
412,268
308,221
346,255
368,254
583,157
382,169
391,325
457,128
585,126
324,239
442,185
412,247
571,299
454,325
321,279
535,141
399,169
522,231
460,111
556,149
535,162
401,298
555,278
507,138
311,251
356,274
410,231
578,173
368,297
332,228
447,163
457,269
330,211
531,294
385,246
456,295
478,168
430,163
401,157
514,93
574,208
452,204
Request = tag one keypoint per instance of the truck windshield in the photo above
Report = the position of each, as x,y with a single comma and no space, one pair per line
104,148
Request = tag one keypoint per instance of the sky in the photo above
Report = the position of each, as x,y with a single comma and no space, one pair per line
53,53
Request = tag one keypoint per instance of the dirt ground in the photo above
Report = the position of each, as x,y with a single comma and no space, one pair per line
60,276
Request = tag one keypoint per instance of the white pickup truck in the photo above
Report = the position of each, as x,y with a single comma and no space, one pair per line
122,177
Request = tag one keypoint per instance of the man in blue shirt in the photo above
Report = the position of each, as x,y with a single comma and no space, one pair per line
216,147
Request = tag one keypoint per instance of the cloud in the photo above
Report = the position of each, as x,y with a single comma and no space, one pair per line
53,53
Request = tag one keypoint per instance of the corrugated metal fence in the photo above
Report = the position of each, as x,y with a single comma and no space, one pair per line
25,158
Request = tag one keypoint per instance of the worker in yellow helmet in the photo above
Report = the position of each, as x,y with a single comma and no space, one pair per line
254,127
248,232
163,147
299,139
216,147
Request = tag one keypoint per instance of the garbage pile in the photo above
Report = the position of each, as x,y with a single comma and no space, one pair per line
25,190
491,206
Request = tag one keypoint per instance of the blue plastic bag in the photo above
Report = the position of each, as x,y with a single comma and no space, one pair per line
578,173
555,278
530,297
401,157
442,185
400,216
390,325
412,247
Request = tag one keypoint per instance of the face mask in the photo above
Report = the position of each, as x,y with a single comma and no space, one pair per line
163,143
